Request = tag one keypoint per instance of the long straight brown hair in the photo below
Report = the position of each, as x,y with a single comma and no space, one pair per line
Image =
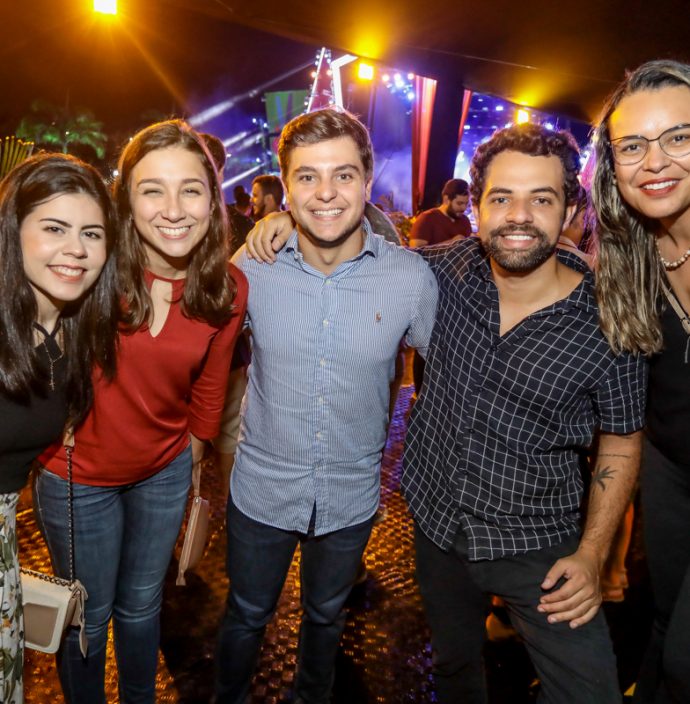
209,288
629,269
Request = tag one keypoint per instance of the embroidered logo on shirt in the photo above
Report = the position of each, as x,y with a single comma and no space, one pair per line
377,317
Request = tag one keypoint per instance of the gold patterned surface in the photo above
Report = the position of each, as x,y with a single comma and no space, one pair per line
385,656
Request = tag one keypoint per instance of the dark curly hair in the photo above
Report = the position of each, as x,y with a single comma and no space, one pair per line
534,140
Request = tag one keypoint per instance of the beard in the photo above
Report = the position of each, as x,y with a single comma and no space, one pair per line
520,261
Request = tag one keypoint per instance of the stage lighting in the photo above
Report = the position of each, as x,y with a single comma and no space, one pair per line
522,117
105,7
365,71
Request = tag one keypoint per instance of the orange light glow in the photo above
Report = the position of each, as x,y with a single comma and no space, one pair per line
105,7
365,72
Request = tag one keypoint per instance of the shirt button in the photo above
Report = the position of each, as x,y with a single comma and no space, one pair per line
322,362
320,399
325,323
318,436
328,282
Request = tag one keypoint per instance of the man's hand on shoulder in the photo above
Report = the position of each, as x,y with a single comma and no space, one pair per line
269,236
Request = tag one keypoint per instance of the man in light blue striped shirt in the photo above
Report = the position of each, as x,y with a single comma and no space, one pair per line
327,320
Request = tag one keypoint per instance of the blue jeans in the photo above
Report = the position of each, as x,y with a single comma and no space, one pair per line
575,665
123,541
259,558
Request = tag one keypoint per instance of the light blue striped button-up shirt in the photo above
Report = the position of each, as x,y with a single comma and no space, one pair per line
314,417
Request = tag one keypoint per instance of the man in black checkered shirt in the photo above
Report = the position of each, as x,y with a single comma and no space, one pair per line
518,380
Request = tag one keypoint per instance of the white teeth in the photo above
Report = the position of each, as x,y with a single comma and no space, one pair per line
518,237
174,231
68,271
658,186
328,213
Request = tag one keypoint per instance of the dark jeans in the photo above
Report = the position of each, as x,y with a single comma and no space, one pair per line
576,666
123,539
259,558
665,493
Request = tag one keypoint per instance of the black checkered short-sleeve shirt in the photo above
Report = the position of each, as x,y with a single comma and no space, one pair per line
494,439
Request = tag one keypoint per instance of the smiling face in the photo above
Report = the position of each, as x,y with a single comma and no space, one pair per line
63,249
658,186
170,197
327,190
522,210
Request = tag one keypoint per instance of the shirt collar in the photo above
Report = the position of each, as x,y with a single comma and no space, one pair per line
582,295
372,244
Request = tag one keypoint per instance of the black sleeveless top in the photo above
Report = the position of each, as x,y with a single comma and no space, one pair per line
26,429
668,405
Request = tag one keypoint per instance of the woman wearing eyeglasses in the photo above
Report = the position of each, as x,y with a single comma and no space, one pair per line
641,191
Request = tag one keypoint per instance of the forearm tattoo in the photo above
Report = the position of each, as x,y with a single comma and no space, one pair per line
601,475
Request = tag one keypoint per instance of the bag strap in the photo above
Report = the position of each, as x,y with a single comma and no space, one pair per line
68,442
675,304
682,315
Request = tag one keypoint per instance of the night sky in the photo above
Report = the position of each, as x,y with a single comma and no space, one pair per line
153,60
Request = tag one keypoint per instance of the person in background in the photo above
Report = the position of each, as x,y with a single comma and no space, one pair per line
641,192
57,320
448,220
239,224
183,306
225,443
243,202
436,226
267,196
577,236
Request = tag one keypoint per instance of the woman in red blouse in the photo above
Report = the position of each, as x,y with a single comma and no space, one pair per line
183,307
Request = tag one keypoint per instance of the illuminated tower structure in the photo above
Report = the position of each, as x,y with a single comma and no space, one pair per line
321,93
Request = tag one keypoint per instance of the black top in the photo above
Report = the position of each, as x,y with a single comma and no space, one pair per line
668,409
494,439
27,429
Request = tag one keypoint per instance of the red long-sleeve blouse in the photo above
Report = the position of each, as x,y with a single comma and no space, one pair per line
166,387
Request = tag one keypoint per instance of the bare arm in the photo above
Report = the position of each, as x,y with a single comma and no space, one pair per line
197,448
613,479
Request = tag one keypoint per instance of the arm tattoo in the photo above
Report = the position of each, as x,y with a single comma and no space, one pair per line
600,475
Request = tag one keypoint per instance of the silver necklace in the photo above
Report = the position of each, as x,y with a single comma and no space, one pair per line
670,266
51,360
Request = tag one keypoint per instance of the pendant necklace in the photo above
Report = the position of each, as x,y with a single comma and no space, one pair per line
52,349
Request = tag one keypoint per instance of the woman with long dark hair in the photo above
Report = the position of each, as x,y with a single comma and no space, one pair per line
641,192
183,308
57,320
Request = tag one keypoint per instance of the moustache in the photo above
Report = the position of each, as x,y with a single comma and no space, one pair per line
518,230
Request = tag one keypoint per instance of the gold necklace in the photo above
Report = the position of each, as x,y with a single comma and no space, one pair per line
51,360
670,266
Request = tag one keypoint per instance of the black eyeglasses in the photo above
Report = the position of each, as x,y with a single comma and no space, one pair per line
674,142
